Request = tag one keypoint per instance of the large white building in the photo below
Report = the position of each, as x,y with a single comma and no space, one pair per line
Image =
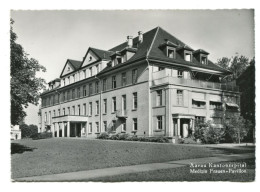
152,85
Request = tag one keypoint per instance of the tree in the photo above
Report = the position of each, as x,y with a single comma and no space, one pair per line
28,131
237,65
25,87
236,128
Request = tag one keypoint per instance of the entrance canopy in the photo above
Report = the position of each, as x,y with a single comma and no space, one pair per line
72,118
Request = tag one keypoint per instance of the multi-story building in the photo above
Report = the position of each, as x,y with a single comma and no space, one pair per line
150,85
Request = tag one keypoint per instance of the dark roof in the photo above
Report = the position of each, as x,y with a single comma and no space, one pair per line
200,51
102,54
157,53
75,64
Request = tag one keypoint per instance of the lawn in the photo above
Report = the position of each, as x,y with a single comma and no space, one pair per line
60,155
183,174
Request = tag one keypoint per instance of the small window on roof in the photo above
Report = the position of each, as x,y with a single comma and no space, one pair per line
204,60
90,58
188,57
119,60
171,53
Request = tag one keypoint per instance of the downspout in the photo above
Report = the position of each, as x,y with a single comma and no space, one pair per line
149,100
100,105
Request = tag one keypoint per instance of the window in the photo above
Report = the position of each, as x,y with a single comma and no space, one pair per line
49,117
123,79
90,72
215,105
134,76
104,84
188,57
68,110
113,104
58,98
161,68
78,92
64,111
58,112
135,124
105,125
199,119
119,60
97,126
180,97
90,89
203,60
68,95
64,82
180,74
84,109
171,53
45,117
73,93
159,98
54,113
73,78
90,58
113,82
105,106
68,80
96,87
124,102
90,108
217,120
97,68
90,127
135,100
64,96
97,107
123,126
73,110
198,104
113,128
79,110
84,91
84,74
159,122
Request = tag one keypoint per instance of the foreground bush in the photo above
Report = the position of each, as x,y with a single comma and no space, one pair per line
127,137
188,140
44,135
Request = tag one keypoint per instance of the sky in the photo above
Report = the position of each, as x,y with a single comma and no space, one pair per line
52,37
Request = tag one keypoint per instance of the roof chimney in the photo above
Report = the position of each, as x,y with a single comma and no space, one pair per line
140,36
130,41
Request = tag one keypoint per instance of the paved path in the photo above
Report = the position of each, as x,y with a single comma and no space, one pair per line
91,174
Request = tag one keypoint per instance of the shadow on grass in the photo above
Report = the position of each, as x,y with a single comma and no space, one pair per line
18,148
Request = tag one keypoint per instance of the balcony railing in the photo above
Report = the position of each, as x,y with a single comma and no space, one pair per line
195,83
121,113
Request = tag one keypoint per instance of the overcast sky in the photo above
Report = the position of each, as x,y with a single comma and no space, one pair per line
52,37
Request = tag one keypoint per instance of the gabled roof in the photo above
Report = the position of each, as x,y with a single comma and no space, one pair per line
102,54
75,64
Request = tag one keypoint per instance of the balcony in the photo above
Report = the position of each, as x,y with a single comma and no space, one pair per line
121,114
195,83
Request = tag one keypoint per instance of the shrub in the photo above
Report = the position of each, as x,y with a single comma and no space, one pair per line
188,140
103,135
114,137
207,134
123,136
28,130
43,135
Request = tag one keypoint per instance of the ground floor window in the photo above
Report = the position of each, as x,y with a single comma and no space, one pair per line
97,126
159,122
199,119
113,125
90,127
135,124
123,126
105,126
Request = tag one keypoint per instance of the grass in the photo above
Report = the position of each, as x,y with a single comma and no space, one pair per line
60,155
183,174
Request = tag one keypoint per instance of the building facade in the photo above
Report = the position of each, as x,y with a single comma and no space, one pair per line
150,85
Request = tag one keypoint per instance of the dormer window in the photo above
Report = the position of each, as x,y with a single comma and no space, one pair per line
171,53
119,60
203,60
187,57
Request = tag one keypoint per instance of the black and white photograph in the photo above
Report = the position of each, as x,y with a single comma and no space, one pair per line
132,95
